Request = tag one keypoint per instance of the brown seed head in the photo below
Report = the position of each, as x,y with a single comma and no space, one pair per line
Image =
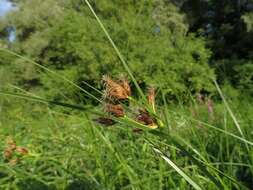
7,153
13,162
22,150
137,130
124,83
114,90
105,121
116,110
144,118
11,143
151,96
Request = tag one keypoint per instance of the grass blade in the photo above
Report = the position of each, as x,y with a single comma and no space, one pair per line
176,168
230,111
41,100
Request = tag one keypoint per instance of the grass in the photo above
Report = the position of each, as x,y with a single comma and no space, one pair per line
67,150
70,151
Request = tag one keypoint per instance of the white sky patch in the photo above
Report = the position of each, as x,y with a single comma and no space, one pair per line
5,6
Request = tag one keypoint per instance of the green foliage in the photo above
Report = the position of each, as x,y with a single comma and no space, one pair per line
228,27
67,150
247,19
72,152
151,36
245,77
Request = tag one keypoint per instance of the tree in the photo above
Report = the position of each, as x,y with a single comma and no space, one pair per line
227,25
152,36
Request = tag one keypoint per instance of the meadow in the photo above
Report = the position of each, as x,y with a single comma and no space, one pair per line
68,150
123,133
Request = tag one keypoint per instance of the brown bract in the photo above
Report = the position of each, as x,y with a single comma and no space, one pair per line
113,90
13,162
116,110
7,153
22,150
137,130
11,143
105,121
144,117
11,150
151,96
124,83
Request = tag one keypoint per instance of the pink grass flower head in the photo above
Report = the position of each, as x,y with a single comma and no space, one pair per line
210,108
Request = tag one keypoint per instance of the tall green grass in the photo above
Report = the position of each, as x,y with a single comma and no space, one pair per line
71,151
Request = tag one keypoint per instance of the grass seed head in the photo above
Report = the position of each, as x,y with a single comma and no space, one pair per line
144,118
22,150
11,143
151,97
105,121
13,162
125,84
113,90
116,110
8,153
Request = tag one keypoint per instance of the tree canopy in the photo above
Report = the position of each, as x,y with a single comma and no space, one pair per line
173,45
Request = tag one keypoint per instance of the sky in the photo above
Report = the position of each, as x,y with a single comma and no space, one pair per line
5,6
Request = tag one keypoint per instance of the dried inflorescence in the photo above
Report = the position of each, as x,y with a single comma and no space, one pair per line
124,83
11,144
115,91
116,110
22,150
151,97
8,153
105,121
118,91
12,152
144,116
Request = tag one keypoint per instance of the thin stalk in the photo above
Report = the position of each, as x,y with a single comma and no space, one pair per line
230,111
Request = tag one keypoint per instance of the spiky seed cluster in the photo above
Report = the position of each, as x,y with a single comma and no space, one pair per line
124,83
12,150
116,110
144,117
116,90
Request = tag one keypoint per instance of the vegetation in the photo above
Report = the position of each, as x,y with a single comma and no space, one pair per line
171,127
